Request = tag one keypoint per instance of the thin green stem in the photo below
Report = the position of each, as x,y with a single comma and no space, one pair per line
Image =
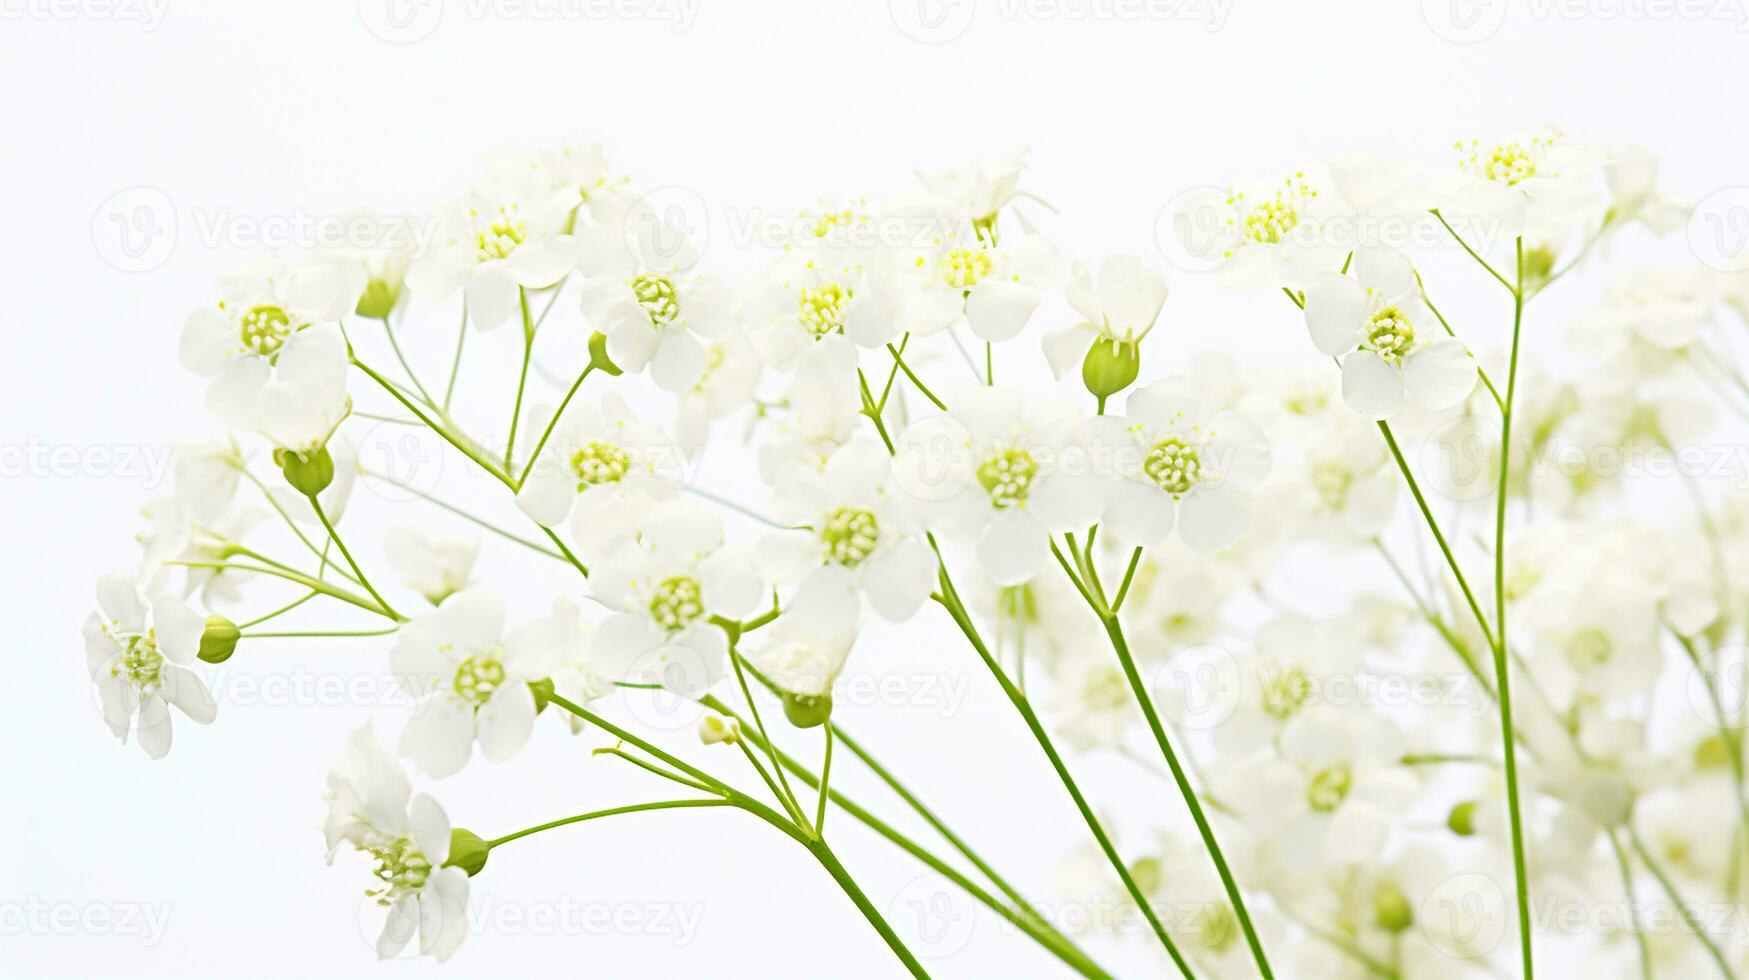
949,600
788,795
558,413
450,436
336,633
1633,904
1502,666
521,380
313,584
282,610
1438,535
1121,647
395,344
610,812
345,553
463,514
652,768
1683,908
455,366
825,786
1123,588
1473,254
899,360
273,502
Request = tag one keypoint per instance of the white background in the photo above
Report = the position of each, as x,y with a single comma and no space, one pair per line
237,112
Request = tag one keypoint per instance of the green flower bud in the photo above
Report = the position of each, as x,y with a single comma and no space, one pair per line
1110,367
308,473
467,851
1539,263
1392,908
598,358
806,710
543,693
1462,819
1148,875
379,299
219,640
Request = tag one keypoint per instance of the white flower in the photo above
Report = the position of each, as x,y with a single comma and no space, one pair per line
598,461
1003,471
1002,283
640,293
1595,629
1389,343
1121,305
261,309
1179,463
858,538
583,168
1263,236
137,653
978,192
730,377
506,235
1534,184
305,400
665,581
473,678
1090,701
577,680
434,565
372,807
1632,177
1347,482
1330,796
866,296
803,655
1662,305
714,729
824,412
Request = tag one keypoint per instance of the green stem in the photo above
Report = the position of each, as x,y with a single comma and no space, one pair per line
899,360
1479,260
1682,907
788,795
455,366
441,429
302,633
1502,667
521,380
1120,645
610,812
825,786
395,344
1633,903
949,599
459,512
548,434
282,610
1438,535
1123,588
313,584
334,536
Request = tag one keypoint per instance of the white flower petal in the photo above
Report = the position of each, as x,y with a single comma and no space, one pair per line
1370,386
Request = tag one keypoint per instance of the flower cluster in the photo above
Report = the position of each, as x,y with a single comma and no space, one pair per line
1388,630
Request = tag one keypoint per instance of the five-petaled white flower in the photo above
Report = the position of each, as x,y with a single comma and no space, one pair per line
434,565
472,678
665,579
372,807
138,654
1003,470
506,235
854,536
1389,342
640,292
1179,462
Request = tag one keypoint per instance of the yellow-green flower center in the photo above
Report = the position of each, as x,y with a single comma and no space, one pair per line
1331,482
1390,334
1174,465
678,601
1589,648
400,867
1285,692
1218,927
264,329
500,238
597,462
964,268
657,297
821,309
1329,787
1007,476
850,535
478,676
141,662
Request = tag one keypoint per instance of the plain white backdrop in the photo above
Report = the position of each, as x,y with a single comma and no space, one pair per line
221,118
